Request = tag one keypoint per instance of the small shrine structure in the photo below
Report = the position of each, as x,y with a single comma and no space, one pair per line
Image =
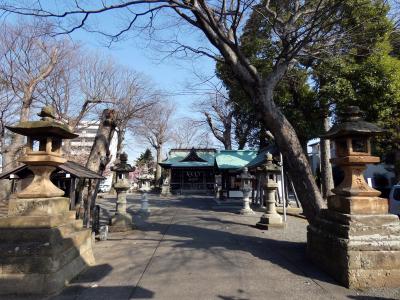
42,245
356,240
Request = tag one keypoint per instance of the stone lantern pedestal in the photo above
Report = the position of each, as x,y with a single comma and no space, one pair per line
355,240
121,221
42,245
270,218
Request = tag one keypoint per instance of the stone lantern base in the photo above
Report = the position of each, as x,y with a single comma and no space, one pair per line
42,246
270,221
121,222
165,190
359,251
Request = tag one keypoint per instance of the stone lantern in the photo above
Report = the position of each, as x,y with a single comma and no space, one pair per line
352,140
42,152
270,218
355,240
245,185
121,221
145,179
43,245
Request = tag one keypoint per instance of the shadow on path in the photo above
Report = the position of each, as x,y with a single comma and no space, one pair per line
286,254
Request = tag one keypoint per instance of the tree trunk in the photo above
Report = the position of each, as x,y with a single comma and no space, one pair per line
11,152
227,136
66,147
158,167
293,154
241,144
120,140
263,138
18,140
397,165
99,155
5,184
326,167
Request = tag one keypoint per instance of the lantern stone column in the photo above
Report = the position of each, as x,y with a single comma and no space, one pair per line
42,245
166,186
245,180
121,221
356,240
270,218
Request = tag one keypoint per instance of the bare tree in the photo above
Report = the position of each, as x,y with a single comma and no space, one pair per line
189,134
133,99
28,56
79,84
218,115
155,128
299,30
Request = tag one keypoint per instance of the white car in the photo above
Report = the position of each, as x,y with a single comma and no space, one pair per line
104,187
394,200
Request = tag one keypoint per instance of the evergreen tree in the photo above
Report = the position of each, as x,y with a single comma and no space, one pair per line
146,158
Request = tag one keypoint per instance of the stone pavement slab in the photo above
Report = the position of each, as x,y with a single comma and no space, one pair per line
186,250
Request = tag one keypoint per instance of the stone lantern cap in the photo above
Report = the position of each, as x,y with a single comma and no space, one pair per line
270,166
45,127
123,166
245,174
353,124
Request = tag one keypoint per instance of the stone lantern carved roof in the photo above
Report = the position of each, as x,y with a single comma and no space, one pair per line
47,126
270,165
123,166
353,124
245,175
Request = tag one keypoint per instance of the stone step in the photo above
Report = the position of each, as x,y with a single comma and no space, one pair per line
37,249
70,227
41,235
44,259
3,208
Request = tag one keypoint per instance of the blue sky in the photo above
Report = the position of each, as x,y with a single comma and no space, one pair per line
172,75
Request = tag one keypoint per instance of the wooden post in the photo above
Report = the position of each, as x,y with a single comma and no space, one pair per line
86,215
72,194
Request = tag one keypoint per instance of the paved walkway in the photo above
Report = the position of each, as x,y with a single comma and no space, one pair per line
186,250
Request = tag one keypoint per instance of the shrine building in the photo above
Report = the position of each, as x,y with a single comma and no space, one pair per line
203,170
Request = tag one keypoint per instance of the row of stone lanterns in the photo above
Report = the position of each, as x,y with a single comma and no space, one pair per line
270,218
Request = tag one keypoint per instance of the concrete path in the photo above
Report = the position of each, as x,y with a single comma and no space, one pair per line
186,250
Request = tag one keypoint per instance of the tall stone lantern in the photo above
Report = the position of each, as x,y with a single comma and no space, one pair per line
245,185
42,152
42,245
270,218
355,240
121,221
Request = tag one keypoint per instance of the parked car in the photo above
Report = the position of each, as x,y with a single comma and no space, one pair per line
104,187
394,200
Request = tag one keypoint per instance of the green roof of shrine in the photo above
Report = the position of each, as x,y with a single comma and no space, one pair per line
223,159
189,158
235,159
